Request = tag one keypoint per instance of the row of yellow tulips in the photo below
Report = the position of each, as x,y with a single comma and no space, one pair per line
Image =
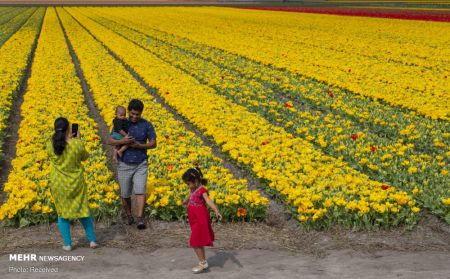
8,13
14,56
12,21
53,90
320,189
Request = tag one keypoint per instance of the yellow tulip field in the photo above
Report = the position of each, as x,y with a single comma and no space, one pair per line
344,120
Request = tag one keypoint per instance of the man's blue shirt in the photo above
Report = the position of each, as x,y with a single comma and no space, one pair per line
142,131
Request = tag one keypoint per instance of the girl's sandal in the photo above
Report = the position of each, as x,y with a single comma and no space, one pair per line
202,266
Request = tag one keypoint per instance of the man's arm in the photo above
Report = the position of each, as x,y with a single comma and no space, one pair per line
149,145
126,140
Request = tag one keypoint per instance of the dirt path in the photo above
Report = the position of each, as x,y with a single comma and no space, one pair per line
177,262
241,249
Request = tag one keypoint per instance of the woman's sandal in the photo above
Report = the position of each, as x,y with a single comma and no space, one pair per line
67,248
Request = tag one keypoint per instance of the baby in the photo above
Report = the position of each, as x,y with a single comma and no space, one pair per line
120,130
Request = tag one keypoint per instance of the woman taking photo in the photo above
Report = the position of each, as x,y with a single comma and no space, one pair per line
69,190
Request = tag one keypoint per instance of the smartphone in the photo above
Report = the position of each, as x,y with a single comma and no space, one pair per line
74,129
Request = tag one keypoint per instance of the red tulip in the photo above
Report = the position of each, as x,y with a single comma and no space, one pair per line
354,137
288,105
382,13
329,93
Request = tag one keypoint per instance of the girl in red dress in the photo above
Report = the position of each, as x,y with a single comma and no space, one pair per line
201,231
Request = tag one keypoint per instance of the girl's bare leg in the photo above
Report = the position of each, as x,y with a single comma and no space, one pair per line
203,264
200,253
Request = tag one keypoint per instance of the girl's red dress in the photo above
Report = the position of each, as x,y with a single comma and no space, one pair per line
201,230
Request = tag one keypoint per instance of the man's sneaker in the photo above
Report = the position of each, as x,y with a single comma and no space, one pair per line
93,245
141,223
67,248
202,266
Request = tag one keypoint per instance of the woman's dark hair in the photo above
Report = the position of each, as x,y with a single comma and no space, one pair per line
136,105
194,175
59,137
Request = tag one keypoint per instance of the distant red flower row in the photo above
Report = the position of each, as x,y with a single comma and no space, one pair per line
431,15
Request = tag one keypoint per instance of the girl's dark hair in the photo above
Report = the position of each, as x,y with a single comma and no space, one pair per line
59,137
194,175
136,105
